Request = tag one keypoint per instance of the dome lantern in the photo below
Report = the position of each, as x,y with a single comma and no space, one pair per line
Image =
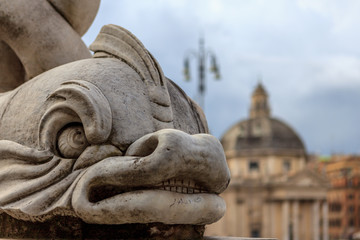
259,103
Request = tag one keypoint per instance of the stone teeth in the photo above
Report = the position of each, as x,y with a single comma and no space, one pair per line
191,184
181,186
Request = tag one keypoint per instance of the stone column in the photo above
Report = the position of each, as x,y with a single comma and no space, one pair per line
285,220
316,222
273,215
325,220
231,216
245,220
265,219
240,218
295,219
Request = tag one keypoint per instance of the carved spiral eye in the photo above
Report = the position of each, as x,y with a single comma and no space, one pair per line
72,141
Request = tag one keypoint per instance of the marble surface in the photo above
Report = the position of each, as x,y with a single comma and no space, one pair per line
104,141
109,143
108,140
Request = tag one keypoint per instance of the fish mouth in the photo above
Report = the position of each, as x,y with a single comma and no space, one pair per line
184,186
166,185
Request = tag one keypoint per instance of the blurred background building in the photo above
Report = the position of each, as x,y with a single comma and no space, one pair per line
343,173
272,193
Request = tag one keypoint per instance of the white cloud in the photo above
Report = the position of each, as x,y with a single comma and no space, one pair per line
336,71
342,14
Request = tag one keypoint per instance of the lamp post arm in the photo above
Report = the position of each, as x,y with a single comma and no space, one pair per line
202,55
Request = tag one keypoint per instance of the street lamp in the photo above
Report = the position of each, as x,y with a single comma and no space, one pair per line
201,56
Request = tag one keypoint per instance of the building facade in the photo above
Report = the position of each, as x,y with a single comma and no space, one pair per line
344,197
272,193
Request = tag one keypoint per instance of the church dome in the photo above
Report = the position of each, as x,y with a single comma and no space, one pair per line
262,134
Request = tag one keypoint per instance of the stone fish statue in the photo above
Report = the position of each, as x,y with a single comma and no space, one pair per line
109,140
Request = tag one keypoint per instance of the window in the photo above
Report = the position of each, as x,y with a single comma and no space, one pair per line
253,166
242,131
351,222
335,222
239,201
255,233
335,207
345,172
351,209
286,165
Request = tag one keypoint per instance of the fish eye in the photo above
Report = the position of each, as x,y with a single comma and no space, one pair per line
72,141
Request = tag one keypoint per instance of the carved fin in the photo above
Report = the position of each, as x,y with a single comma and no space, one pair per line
122,44
115,41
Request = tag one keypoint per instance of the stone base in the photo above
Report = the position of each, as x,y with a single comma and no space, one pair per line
74,228
236,238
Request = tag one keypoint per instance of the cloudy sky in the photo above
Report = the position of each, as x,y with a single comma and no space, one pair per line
306,52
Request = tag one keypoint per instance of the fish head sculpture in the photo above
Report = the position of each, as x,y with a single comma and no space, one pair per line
109,140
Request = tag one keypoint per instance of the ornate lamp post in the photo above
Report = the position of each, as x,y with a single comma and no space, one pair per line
202,55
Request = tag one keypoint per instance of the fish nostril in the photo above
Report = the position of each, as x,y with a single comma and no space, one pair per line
146,147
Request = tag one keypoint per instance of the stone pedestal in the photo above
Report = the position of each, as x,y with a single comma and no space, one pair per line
74,228
236,238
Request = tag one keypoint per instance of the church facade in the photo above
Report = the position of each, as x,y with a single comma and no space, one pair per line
271,193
